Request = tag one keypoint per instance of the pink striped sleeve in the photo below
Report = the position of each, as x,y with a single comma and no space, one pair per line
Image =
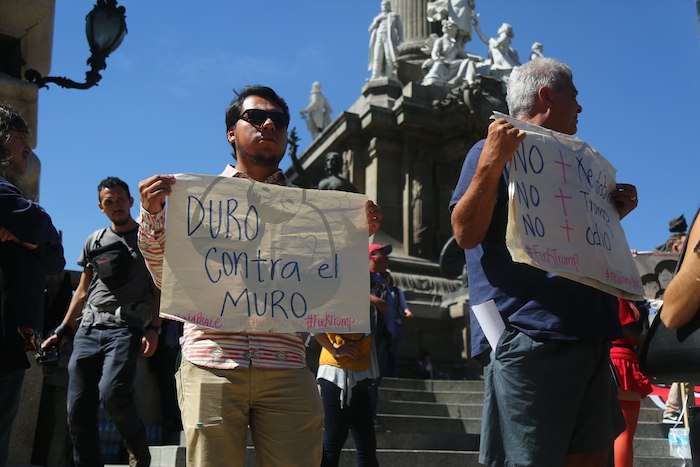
152,243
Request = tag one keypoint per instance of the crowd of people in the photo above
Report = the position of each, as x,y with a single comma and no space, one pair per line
550,398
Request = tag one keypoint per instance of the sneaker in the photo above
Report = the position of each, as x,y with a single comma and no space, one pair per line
671,419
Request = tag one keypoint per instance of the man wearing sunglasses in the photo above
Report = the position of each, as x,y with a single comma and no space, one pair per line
230,380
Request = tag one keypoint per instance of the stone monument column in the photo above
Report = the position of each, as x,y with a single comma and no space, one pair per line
384,183
416,29
413,17
422,215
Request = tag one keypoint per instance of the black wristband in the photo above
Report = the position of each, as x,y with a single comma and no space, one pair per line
157,329
63,330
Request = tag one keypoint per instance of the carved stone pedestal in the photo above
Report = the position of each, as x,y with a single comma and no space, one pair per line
404,147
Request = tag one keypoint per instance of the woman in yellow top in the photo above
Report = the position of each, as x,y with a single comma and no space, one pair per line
347,367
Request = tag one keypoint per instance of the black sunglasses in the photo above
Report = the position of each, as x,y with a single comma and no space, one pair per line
258,117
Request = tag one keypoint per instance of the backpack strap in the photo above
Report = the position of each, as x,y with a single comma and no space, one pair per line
96,243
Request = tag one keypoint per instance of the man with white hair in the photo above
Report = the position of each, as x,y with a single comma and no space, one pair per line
549,395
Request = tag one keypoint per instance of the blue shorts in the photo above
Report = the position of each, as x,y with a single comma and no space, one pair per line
545,400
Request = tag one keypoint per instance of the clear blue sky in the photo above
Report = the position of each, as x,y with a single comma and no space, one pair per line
160,105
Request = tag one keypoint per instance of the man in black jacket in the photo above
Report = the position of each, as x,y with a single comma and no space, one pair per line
30,249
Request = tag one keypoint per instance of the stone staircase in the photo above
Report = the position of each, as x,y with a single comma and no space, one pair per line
436,423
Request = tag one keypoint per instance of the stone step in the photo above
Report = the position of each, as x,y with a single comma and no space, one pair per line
465,386
439,409
650,414
439,385
659,462
419,395
174,456
650,447
168,456
424,441
407,458
415,458
425,424
403,458
433,409
653,430
412,423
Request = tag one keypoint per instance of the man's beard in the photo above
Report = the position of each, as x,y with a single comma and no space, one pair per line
121,222
263,161
7,172
260,160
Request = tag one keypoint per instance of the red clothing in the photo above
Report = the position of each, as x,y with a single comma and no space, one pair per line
624,357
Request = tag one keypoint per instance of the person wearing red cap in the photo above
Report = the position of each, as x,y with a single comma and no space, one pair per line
390,305
395,309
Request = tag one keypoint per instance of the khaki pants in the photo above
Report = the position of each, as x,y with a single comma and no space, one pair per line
674,403
282,407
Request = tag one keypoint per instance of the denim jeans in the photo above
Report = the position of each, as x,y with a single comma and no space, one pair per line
10,392
355,416
102,367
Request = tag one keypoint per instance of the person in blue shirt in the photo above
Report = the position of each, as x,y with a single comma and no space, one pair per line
30,248
549,395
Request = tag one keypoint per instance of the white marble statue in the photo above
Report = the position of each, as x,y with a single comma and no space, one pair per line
386,33
449,63
502,57
317,114
460,12
537,50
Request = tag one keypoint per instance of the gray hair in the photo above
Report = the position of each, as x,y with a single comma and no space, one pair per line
526,80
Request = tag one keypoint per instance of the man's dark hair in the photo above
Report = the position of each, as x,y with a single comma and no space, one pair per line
665,265
10,120
110,183
233,112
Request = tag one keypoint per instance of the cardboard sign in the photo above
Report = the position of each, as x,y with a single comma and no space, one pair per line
656,270
561,215
247,256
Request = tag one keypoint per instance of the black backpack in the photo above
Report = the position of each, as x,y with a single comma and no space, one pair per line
111,262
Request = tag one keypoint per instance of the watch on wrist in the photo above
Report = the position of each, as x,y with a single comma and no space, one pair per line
157,329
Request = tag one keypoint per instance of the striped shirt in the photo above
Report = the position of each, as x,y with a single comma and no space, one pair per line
213,348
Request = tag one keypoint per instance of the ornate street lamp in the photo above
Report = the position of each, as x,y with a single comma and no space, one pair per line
105,28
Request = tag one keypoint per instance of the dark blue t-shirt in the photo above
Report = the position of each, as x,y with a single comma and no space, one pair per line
538,303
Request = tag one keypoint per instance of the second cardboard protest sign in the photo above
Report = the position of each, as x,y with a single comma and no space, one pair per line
248,256
561,215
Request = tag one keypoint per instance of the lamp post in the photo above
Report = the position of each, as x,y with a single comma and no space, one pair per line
105,28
